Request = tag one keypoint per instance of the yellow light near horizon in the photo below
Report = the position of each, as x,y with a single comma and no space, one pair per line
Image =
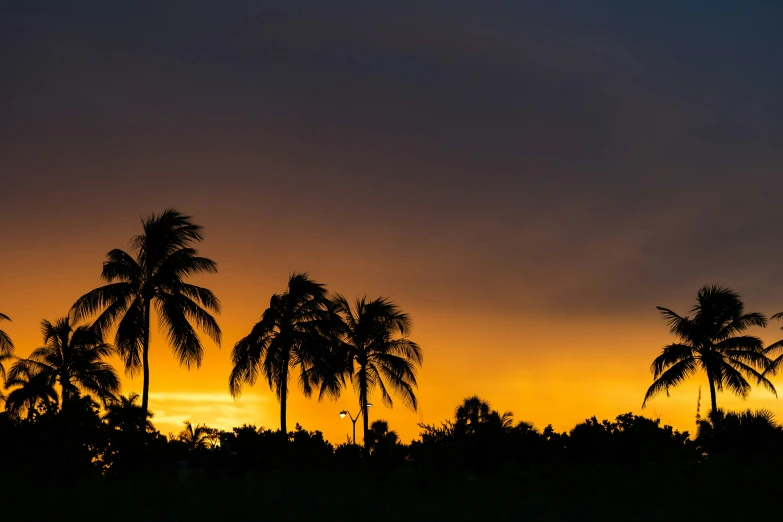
545,369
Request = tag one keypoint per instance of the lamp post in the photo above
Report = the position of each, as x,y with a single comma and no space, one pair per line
353,420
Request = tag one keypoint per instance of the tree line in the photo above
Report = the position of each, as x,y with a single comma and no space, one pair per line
86,440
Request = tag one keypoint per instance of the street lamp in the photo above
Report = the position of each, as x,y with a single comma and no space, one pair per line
353,420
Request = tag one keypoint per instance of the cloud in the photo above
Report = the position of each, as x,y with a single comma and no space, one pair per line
217,410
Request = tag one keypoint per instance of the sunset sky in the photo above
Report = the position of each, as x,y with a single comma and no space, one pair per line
526,180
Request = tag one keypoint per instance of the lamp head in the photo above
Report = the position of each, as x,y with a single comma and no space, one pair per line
369,404
343,414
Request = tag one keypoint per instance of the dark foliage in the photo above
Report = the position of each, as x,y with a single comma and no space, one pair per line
467,469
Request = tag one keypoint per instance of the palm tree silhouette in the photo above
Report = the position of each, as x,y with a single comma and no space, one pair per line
744,432
475,412
377,352
201,437
32,389
710,341
71,359
6,347
472,412
775,349
124,413
293,331
381,437
164,258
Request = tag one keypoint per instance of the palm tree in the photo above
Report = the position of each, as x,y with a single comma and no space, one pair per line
743,432
474,413
382,439
32,389
6,346
377,352
164,258
201,437
471,413
293,332
124,413
71,359
711,341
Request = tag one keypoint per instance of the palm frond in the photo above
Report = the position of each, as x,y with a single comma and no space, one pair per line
739,324
183,263
678,326
749,371
747,343
732,379
202,319
202,296
246,358
671,354
402,385
375,379
676,374
99,299
6,346
774,364
756,359
182,338
170,230
120,266
112,314
129,338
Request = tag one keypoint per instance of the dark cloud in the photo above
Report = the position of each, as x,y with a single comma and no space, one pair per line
567,157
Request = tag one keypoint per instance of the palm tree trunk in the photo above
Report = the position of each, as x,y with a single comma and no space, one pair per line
712,393
145,363
63,393
363,402
282,412
283,397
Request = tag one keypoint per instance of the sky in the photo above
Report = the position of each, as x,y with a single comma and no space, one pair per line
527,180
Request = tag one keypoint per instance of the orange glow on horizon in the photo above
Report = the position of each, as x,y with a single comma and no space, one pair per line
558,370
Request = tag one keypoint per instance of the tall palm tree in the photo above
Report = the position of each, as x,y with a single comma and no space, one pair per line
124,413
293,332
164,258
377,352
71,359
710,340
6,346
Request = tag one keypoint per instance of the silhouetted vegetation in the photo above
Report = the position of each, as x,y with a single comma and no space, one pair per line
6,345
293,332
74,445
474,460
330,342
711,341
164,258
376,351
71,360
